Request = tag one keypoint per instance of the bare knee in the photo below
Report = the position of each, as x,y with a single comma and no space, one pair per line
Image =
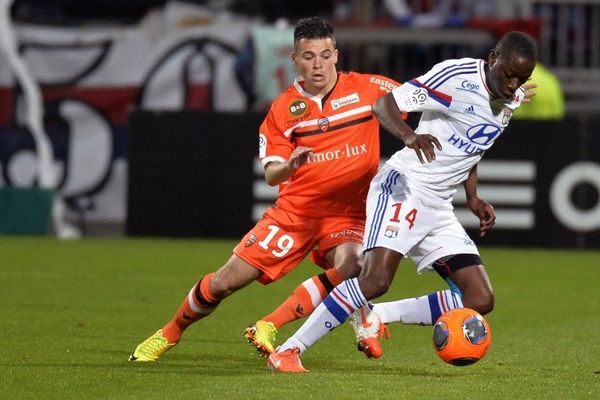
231,277
374,284
476,288
221,287
482,302
347,259
378,273
350,265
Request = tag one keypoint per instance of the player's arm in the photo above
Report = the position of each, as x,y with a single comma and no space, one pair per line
481,208
390,117
279,171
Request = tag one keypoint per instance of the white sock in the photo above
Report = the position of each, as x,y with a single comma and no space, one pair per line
423,310
343,300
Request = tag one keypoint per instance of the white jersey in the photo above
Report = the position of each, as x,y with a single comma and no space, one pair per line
458,109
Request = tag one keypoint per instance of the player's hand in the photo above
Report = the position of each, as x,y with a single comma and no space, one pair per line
299,157
529,92
423,144
485,212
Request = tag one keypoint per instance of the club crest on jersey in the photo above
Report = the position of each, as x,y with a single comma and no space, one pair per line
506,114
251,240
391,232
298,107
344,101
323,124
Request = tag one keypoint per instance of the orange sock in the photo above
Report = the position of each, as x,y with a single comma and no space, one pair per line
305,298
198,304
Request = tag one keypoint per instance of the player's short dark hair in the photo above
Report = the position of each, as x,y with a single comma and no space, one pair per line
519,44
313,28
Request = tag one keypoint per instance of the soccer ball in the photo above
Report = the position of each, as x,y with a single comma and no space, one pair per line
461,336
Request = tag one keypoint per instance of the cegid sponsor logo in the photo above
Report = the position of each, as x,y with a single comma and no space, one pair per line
468,85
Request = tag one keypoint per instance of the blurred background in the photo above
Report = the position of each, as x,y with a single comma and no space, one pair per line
140,117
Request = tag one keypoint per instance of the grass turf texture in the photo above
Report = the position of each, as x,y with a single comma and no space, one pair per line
72,311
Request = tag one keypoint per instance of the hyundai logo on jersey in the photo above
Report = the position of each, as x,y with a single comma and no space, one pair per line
483,134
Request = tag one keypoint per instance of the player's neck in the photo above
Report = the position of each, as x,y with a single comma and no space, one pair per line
320,92
486,70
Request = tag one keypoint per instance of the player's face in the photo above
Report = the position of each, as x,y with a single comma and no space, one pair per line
315,60
507,73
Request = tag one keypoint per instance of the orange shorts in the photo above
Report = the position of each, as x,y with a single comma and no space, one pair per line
281,240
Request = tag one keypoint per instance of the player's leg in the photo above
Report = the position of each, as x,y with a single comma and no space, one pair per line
475,287
290,239
339,253
343,300
395,223
202,300
347,263
426,309
454,256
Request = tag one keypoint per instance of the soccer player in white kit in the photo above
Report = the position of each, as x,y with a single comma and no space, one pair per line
466,104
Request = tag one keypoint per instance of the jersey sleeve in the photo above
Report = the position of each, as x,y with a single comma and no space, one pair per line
273,143
379,85
423,93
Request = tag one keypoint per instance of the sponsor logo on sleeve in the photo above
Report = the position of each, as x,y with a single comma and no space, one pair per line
413,100
262,146
384,85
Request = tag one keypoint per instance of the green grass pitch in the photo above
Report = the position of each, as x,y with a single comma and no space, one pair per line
72,311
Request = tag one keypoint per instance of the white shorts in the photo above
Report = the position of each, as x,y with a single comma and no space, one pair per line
397,219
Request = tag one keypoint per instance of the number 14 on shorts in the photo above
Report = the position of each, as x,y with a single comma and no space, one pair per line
409,217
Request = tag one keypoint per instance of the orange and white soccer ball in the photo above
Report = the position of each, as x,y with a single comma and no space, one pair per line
461,336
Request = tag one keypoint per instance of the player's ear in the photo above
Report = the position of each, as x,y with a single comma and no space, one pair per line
294,56
493,57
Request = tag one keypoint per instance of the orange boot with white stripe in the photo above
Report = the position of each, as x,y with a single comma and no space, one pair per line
369,330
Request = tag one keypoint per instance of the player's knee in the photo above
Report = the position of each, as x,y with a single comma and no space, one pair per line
350,266
381,286
483,302
374,286
221,287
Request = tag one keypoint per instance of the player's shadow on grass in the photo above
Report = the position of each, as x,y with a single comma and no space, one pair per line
190,363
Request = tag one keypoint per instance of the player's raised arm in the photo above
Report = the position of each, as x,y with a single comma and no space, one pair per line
390,117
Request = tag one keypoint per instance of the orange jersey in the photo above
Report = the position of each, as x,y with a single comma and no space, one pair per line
344,136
